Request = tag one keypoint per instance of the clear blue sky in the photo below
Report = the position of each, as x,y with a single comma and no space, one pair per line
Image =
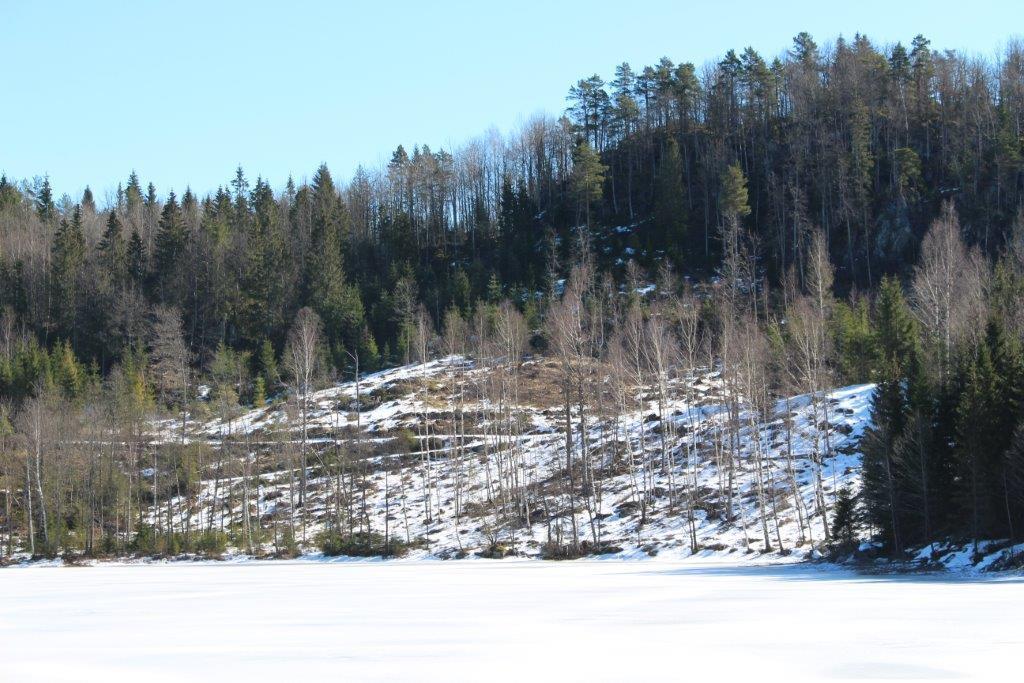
184,91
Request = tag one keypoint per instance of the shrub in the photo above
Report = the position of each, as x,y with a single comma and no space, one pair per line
495,551
360,544
285,545
146,541
211,543
555,551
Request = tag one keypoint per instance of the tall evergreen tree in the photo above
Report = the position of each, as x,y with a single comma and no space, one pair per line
337,303
45,207
113,250
669,202
171,240
896,340
587,177
262,284
66,267
138,264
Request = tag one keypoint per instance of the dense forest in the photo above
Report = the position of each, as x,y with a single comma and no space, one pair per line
840,214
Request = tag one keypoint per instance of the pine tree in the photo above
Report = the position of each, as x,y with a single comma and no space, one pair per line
587,177
735,200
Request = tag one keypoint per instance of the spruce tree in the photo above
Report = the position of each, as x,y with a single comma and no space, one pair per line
137,261
262,285
114,250
171,239
988,412
45,207
133,191
337,303
259,392
896,340
88,203
669,203
9,195
975,422
268,365
68,259
845,519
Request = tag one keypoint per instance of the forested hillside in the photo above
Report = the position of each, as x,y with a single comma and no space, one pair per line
766,229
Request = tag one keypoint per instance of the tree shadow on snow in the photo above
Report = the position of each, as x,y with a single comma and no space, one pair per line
808,571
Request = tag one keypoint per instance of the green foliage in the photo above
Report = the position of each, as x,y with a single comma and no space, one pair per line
10,197
66,273
45,207
267,360
734,200
147,541
259,392
784,148
587,176
211,543
987,414
461,291
67,373
493,291
669,202
171,241
360,544
285,543
229,371
30,369
856,355
845,518
113,251
369,356
897,394
908,173
152,542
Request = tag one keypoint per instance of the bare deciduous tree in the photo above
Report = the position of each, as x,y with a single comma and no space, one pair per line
948,290
302,358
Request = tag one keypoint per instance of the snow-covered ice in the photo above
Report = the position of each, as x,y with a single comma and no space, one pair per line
501,620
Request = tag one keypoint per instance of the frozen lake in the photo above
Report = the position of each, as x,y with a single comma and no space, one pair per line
511,620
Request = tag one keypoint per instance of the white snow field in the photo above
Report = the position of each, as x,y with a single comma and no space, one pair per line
501,620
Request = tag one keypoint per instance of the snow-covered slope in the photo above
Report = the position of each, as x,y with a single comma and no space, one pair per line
425,462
